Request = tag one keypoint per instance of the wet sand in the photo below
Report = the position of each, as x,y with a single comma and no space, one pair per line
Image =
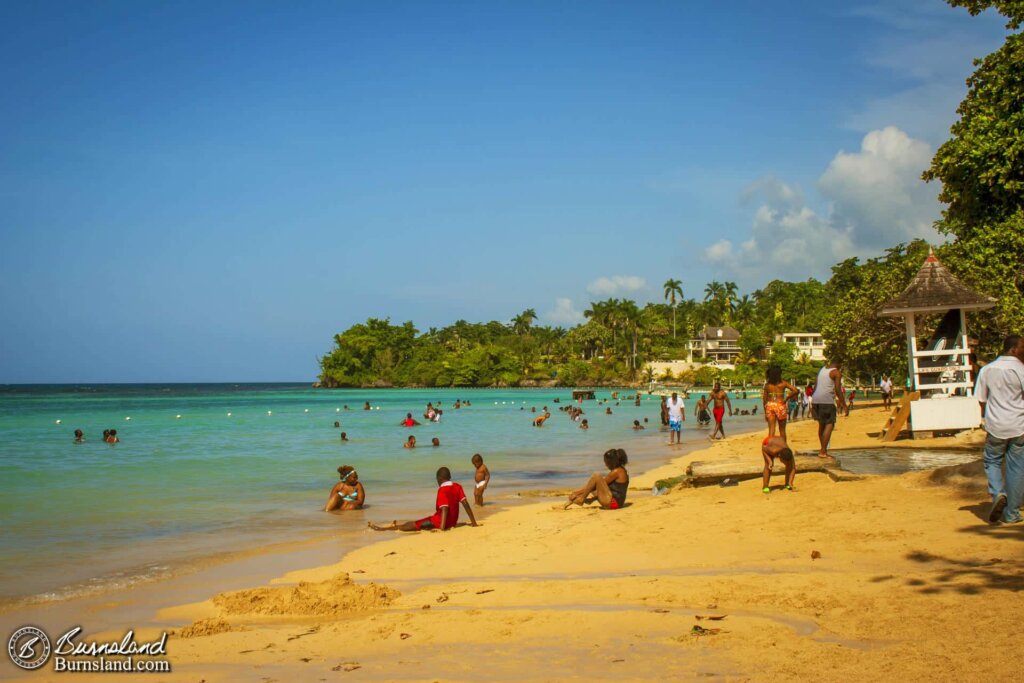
884,578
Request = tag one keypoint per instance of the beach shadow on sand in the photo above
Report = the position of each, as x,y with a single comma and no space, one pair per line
967,577
981,510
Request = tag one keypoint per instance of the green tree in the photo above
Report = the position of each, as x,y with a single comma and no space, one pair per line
673,288
521,323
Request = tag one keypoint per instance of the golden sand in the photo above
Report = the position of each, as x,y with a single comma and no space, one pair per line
882,579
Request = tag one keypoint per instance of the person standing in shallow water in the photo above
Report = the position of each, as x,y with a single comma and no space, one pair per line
720,399
676,415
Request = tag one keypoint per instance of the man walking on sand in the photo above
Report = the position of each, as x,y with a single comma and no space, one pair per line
676,414
828,392
1000,390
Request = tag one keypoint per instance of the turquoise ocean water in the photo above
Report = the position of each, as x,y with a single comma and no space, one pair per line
85,517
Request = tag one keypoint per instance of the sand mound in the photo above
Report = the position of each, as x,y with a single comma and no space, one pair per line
968,478
334,596
207,627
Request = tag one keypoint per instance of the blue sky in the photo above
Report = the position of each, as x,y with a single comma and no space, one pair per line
209,191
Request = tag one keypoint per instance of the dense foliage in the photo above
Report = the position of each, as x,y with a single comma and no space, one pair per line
611,347
981,169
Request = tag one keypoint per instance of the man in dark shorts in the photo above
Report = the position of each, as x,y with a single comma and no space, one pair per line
886,387
828,392
446,514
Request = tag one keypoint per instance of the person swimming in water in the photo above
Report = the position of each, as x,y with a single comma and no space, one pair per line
344,436
347,494
409,421
410,442
79,436
701,411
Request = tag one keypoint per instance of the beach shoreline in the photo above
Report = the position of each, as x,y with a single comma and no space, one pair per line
657,593
217,572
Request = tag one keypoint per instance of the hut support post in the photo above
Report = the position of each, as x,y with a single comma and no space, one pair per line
912,351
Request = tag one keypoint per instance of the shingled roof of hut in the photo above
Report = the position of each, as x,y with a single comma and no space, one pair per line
934,289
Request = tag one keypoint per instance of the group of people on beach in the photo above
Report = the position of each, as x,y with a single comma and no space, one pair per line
826,399
609,489
349,494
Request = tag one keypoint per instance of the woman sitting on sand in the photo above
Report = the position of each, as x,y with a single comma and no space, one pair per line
609,489
347,494
774,399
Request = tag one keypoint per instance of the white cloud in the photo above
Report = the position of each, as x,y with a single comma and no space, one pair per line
878,191
876,199
564,314
616,284
720,252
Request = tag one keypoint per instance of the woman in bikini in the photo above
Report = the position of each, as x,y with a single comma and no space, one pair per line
608,489
774,398
347,494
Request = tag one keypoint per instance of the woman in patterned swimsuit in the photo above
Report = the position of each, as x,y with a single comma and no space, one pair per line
774,399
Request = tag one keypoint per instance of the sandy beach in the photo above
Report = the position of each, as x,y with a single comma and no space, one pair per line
882,578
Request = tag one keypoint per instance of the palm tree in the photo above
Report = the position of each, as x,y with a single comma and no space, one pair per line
715,296
522,322
631,319
729,292
745,309
673,288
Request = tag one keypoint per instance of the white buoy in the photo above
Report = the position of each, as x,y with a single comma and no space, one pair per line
127,418
307,410
269,413
377,408
57,422
229,414
177,417
337,410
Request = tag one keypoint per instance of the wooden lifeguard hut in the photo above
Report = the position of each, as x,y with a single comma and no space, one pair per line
940,395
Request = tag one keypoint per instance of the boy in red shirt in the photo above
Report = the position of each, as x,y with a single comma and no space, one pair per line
446,514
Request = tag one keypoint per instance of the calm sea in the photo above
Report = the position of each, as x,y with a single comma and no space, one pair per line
208,469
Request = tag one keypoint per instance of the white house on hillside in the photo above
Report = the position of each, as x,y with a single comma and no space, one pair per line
720,345
810,343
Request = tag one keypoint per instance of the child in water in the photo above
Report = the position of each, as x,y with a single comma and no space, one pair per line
482,476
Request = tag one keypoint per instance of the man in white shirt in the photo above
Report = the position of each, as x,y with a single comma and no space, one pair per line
676,415
1000,390
886,386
